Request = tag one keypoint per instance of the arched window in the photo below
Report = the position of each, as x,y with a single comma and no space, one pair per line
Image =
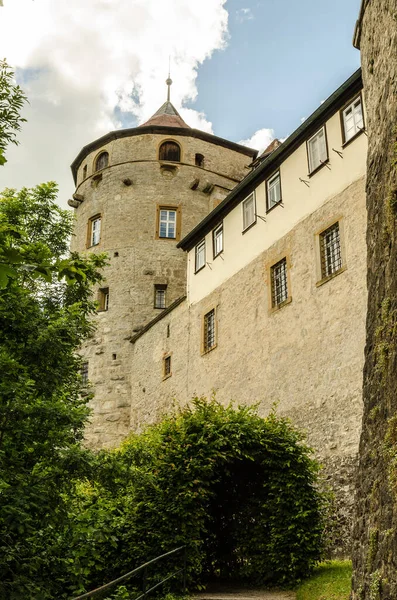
102,161
170,151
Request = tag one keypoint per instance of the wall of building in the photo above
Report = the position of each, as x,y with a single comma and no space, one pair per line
299,201
307,356
137,258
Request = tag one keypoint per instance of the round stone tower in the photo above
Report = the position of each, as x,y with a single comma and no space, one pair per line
138,192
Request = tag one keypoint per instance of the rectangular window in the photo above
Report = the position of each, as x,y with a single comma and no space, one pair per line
278,273
273,188
159,296
103,299
317,150
84,373
167,366
167,223
94,231
352,118
209,341
199,256
217,240
249,216
330,251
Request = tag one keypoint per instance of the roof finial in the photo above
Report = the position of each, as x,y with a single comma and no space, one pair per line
168,81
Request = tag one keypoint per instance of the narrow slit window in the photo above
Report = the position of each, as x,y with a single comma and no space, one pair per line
279,283
103,299
166,366
84,373
330,251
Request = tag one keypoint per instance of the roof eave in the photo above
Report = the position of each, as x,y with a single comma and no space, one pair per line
252,180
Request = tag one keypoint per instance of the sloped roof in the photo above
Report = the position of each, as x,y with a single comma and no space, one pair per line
166,116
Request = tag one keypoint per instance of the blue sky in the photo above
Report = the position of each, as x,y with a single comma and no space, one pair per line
243,69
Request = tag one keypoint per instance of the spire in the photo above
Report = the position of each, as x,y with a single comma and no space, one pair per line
167,115
168,81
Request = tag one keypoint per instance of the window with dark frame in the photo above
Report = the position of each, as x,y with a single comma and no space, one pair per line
248,207
84,373
159,296
170,151
209,341
102,161
84,171
317,150
279,283
199,256
330,251
352,118
166,366
167,223
273,189
217,240
103,299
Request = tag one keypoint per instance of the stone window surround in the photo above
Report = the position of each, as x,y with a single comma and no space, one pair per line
91,220
160,299
342,120
320,280
164,141
322,164
103,299
203,349
96,160
166,365
178,211
268,270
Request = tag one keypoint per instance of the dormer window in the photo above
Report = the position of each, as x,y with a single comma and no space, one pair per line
170,151
102,161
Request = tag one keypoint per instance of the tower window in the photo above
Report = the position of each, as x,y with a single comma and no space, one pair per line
279,283
94,231
330,251
102,161
199,160
84,171
167,366
103,299
209,333
84,373
170,151
159,296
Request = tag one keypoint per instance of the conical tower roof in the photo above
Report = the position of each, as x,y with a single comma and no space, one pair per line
167,115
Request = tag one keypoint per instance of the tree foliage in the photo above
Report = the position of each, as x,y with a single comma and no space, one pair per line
239,490
44,317
12,99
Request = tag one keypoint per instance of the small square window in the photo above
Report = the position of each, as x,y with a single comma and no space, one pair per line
159,296
199,254
317,150
94,231
279,283
217,240
330,251
167,366
103,299
209,337
249,216
352,118
273,189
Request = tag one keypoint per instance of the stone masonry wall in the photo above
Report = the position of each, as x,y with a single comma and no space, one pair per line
137,260
375,531
307,356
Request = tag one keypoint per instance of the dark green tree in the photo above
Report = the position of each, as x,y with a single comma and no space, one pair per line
12,99
45,307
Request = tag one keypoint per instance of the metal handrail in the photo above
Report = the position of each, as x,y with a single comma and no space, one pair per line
138,570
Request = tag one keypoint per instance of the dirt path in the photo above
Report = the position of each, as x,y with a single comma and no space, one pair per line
246,595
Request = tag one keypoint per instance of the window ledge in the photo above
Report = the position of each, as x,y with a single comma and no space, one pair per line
274,206
167,376
325,279
204,352
275,309
216,255
200,269
249,227
356,135
323,164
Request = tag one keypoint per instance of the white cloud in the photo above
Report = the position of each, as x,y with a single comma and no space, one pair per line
79,61
260,139
244,14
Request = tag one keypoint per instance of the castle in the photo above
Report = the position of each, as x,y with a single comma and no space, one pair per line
231,272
